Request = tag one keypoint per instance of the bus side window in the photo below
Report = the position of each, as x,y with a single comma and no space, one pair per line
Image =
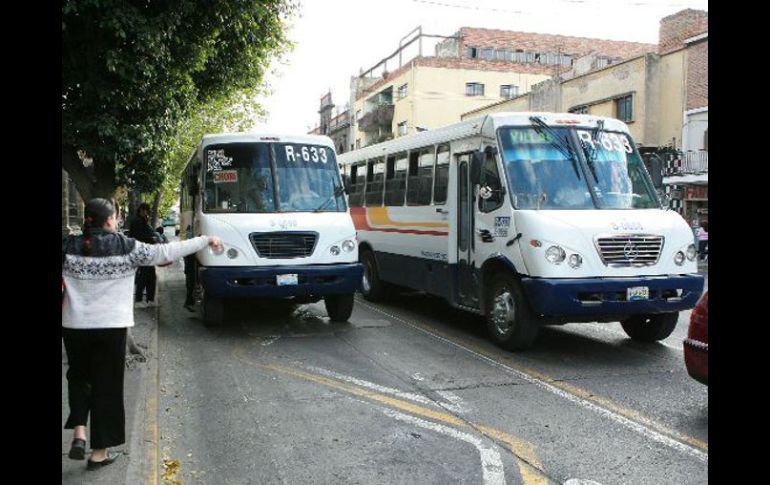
420,176
395,179
356,197
374,181
441,175
490,177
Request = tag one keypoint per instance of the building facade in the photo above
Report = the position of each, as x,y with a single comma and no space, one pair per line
469,70
333,124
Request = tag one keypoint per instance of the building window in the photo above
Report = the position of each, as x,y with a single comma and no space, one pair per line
358,143
474,89
509,90
402,128
488,54
579,110
472,53
624,107
403,91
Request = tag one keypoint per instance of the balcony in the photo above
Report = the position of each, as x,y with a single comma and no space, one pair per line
695,162
691,167
339,122
380,117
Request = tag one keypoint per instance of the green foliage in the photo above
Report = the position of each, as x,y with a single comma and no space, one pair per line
137,74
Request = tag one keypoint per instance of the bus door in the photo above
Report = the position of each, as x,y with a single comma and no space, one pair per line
467,291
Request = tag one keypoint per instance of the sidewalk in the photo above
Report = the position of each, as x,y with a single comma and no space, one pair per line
134,464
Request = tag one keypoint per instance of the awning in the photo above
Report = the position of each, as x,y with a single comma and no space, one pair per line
697,179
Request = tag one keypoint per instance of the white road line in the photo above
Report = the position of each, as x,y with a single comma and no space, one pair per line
455,402
491,463
622,420
457,405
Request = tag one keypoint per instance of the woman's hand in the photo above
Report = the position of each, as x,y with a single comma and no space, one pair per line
216,244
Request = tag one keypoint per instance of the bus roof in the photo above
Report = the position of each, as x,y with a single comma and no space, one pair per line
485,124
246,137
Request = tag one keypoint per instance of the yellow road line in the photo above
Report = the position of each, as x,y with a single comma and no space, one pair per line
529,464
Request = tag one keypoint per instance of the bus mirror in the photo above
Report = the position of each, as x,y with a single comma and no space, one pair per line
477,160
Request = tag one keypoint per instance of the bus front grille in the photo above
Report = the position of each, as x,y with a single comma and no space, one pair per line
283,245
630,249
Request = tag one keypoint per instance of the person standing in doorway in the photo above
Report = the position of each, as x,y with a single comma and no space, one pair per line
97,271
189,274
141,230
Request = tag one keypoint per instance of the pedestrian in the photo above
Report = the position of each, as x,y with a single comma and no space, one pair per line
162,239
141,230
703,240
98,268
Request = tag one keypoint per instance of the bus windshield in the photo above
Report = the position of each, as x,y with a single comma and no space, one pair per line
272,177
544,172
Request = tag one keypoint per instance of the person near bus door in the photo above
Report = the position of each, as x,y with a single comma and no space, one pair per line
141,230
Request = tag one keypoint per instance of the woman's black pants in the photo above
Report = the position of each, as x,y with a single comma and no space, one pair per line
97,360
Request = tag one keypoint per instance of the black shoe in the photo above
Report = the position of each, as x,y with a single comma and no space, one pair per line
95,465
189,307
78,449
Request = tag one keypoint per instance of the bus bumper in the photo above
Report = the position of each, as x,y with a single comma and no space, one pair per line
609,296
262,281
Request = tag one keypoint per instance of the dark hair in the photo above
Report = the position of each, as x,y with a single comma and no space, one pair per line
143,206
96,213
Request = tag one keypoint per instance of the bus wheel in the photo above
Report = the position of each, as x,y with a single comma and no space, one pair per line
372,287
509,319
213,311
650,328
339,307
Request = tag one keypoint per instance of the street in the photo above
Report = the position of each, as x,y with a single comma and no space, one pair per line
412,391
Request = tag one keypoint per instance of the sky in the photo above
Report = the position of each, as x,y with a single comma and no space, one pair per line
335,39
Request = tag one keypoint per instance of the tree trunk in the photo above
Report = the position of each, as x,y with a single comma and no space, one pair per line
90,182
155,205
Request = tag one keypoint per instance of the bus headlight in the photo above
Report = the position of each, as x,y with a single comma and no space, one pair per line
334,250
691,252
348,245
679,258
555,255
575,261
232,253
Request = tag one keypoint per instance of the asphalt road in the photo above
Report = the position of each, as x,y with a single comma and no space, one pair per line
411,391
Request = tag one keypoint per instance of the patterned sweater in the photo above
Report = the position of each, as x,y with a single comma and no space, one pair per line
100,288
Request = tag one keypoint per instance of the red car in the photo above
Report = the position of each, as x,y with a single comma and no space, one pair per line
696,345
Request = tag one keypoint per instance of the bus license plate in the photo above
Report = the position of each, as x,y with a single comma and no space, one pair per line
286,279
638,293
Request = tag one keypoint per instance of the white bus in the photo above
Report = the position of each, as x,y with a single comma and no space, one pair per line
278,204
527,219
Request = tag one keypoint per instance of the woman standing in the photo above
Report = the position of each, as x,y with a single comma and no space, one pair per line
98,269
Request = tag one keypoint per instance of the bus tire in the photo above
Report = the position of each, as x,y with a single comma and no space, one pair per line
339,307
509,319
213,311
650,328
372,288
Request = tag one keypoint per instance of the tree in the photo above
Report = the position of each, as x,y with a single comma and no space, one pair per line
134,73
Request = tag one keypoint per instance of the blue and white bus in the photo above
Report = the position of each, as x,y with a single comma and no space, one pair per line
526,218
278,203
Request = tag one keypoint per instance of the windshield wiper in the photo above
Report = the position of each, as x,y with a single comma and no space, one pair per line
337,192
541,126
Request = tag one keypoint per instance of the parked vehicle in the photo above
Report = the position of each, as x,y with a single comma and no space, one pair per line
696,345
